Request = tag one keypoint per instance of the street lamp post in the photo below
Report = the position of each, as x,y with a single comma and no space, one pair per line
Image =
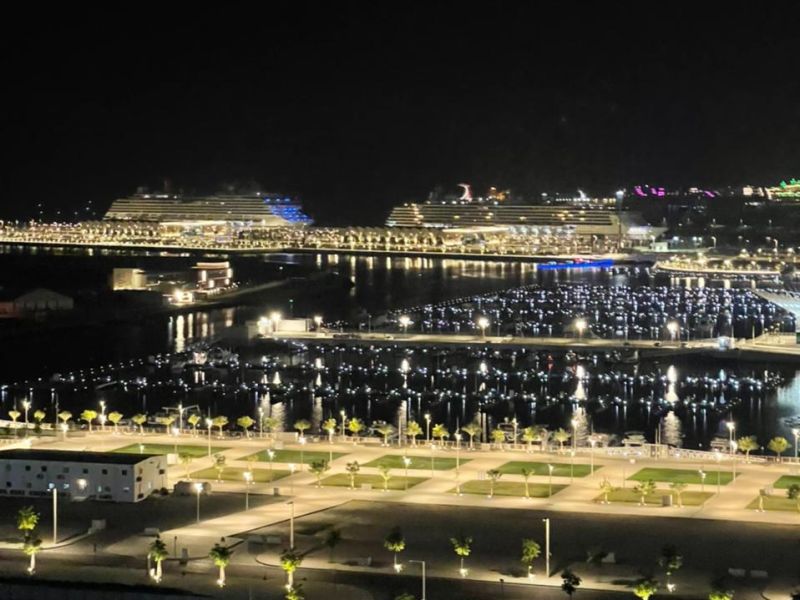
731,428
427,427
796,433
209,423
302,441
343,415
422,563
550,484
702,480
55,515
483,323
580,325
291,526
198,487
673,329
404,321
248,479
547,545
406,462
271,457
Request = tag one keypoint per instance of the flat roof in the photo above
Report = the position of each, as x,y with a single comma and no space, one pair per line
115,458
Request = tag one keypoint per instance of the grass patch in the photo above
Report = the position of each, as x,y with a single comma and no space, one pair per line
395,461
508,488
376,481
787,481
194,451
776,503
237,474
540,468
292,456
690,498
690,476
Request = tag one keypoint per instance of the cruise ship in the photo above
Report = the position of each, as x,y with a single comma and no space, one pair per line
242,210
582,220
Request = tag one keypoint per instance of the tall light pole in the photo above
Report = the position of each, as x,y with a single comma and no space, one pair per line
291,526
198,487
547,544
580,325
796,433
550,484
427,427
406,462
248,479
209,423
343,415
673,328
483,323
404,321
55,515
422,563
731,428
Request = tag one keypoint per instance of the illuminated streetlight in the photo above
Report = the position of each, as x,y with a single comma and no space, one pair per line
248,480
483,323
673,328
318,321
731,428
406,462
404,321
209,423
580,325
427,427
198,487
796,434
550,484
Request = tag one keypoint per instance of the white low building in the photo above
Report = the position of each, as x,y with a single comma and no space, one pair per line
81,475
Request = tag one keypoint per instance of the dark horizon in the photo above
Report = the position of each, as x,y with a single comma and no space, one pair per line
356,108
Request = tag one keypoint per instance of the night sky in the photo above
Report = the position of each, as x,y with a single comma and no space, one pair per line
363,105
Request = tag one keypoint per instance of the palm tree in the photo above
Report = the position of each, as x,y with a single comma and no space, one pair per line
498,437
271,424
526,473
720,594
530,435
493,475
140,420
355,426
747,444
194,421
670,561
295,592
778,445
332,539
352,469
246,422
385,429
318,468
89,415
221,557
462,546
530,552
290,561
413,430
14,414
644,489
301,425
166,422
385,472
114,418
31,546
678,487
157,553
27,519
329,426
644,588
220,422
606,488
561,436
186,460
570,582
65,416
440,431
396,543
471,430
219,465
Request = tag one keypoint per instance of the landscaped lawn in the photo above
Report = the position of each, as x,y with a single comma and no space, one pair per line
681,475
540,468
237,474
395,461
292,456
508,488
191,450
776,503
787,481
628,495
376,481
